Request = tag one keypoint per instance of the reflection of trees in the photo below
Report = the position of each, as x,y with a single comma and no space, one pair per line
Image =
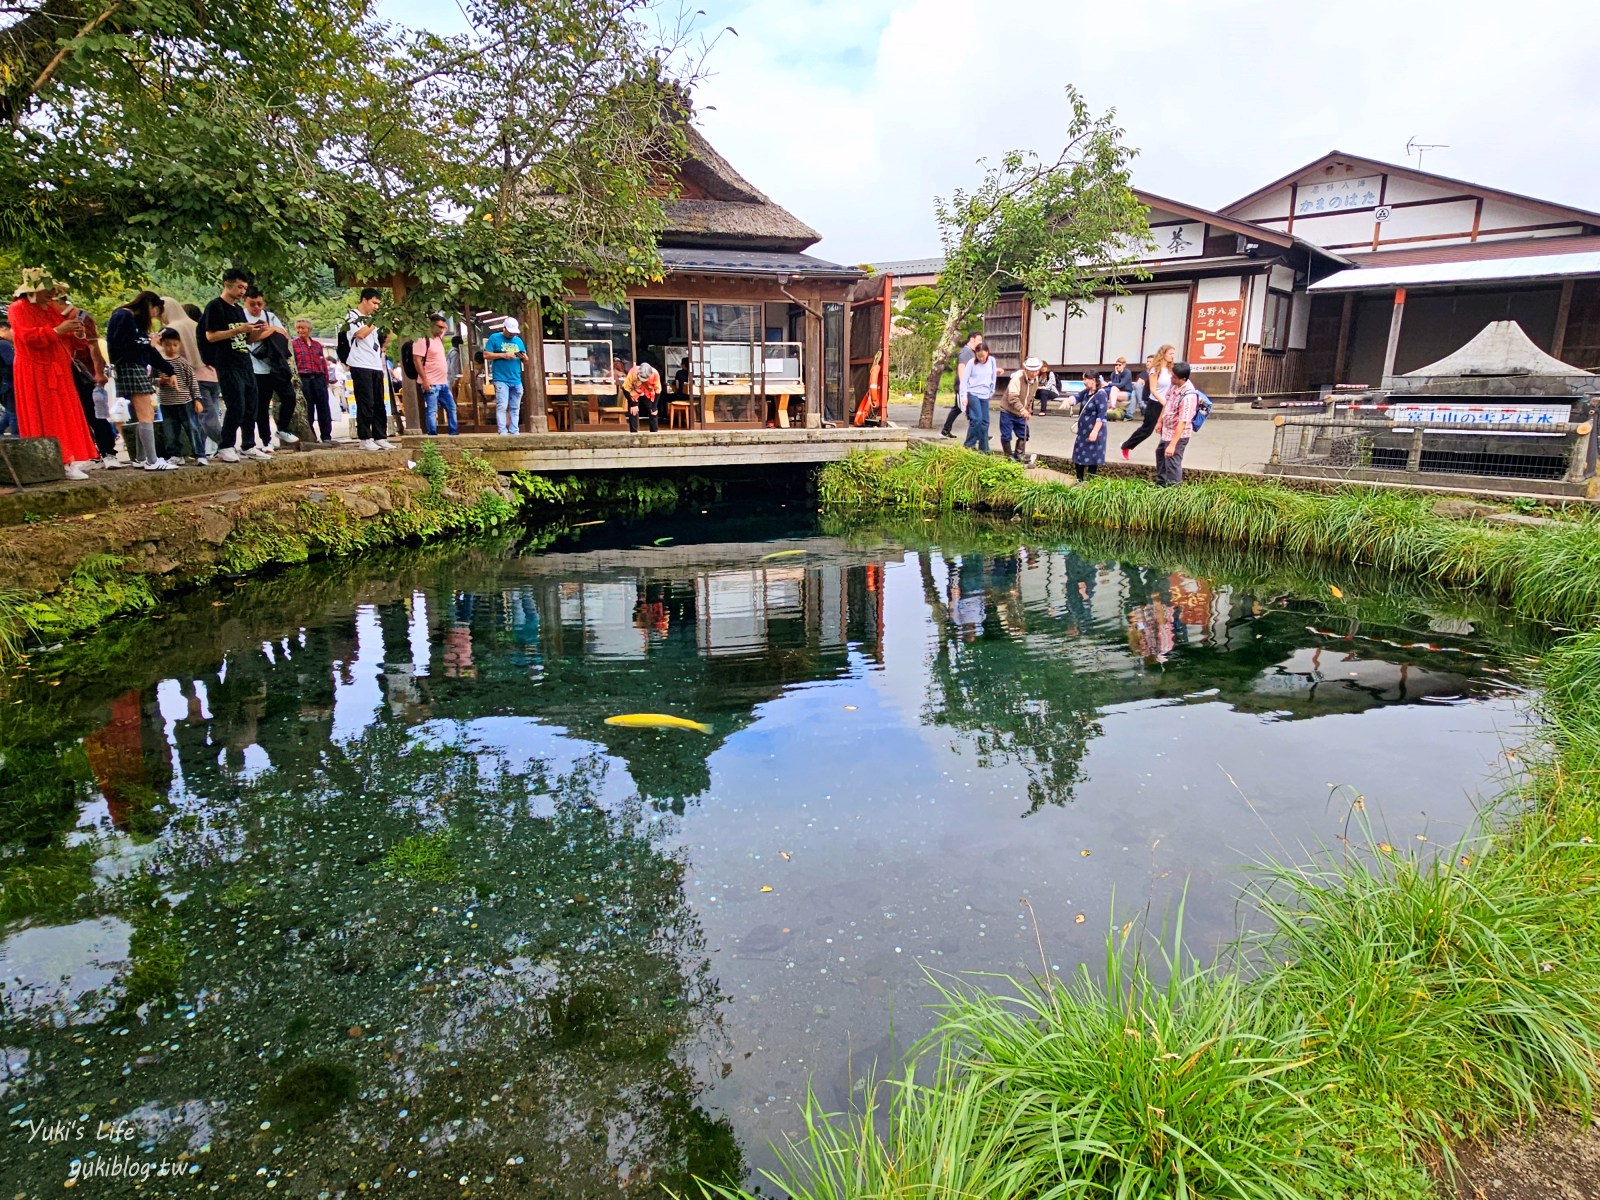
537,994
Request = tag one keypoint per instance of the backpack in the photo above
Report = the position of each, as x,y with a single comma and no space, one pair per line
408,361
342,350
1202,410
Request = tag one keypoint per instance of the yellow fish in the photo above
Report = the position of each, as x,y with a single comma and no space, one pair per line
780,554
655,721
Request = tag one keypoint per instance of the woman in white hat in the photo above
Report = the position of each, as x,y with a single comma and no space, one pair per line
46,398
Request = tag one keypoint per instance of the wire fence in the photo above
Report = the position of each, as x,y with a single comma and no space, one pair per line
1363,444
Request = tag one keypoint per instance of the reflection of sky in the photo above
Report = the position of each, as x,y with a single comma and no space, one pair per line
845,843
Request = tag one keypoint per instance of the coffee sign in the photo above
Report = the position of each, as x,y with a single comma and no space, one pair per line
1214,327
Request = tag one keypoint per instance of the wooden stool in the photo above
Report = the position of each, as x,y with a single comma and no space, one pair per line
613,412
561,417
676,409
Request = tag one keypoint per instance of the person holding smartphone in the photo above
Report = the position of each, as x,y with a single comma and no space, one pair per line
225,337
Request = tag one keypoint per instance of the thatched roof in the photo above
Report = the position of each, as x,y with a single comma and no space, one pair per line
719,208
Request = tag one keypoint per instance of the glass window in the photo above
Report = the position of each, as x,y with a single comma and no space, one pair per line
1275,328
599,341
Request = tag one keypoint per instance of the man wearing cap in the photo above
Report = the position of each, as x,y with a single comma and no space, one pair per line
1015,406
641,388
505,354
433,376
368,372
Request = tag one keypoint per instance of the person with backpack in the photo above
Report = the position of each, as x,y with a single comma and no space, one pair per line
1175,427
270,359
426,361
360,352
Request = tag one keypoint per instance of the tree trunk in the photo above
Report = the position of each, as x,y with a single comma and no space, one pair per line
942,350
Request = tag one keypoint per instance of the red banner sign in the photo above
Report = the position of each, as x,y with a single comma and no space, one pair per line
1214,327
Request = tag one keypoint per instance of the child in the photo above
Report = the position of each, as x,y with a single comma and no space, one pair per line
181,404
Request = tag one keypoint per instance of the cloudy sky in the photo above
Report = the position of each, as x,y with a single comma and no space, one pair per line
854,114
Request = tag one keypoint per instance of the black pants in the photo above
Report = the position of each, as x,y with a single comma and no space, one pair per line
648,407
103,432
238,387
1169,467
267,386
371,389
1044,395
1152,414
950,421
1082,469
315,389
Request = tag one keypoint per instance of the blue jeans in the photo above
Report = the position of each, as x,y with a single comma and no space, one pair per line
8,417
440,395
977,423
211,418
507,406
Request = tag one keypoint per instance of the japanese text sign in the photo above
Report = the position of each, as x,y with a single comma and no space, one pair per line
1214,327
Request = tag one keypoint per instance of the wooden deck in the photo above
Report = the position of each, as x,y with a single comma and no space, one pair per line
667,449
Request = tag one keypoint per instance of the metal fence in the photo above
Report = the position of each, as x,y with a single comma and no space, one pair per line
1369,445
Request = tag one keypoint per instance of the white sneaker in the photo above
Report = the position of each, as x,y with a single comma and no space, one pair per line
111,462
273,444
74,471
202,461
161,464
370,444
288,439
227,454
386,444
257,453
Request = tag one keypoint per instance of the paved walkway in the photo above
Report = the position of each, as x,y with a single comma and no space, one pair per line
1231,442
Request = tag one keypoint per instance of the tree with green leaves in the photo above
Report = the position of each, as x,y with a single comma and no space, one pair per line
1055,229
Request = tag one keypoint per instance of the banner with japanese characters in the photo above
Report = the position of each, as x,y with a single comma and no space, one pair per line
1214,327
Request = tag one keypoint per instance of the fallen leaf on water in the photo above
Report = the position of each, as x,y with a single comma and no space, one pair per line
1465,860
1337,594
1084,853
217,603
1079,919
1385,847
850,708
1126,926
1422,837
784,854
765,888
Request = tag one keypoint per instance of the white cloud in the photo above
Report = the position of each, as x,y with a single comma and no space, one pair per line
1220,99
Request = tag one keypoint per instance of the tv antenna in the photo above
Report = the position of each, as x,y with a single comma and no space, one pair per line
1420,147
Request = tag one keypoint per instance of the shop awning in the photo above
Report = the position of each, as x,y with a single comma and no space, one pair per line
1484,270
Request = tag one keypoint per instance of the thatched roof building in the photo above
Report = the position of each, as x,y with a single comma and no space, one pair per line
718,207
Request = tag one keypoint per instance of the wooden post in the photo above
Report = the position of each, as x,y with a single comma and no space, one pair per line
1395,318
814,364
535,397
1342,351
1414,452
1563,314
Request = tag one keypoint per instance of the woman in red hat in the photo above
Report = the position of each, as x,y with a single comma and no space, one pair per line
46,398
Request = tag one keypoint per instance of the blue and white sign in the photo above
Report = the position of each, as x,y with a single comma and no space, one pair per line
1530,416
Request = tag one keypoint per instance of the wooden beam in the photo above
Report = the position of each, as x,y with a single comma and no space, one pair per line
1563,317
1342,351
1395,318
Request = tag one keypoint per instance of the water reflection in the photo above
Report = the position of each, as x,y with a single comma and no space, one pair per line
423,910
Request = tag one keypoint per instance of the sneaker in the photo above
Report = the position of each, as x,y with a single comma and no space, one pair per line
202,461
227,454
111,462
386,444
74,471
273,444
288,439
257,453
1124,454
370,444
161,464
946,433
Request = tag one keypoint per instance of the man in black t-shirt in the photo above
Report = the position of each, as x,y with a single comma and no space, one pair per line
225,337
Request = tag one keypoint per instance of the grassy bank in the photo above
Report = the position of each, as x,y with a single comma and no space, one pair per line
1390,1001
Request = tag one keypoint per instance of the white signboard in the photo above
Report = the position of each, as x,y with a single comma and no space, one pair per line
1186,240
1461,415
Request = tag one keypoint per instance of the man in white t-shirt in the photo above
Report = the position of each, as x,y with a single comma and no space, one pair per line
364,357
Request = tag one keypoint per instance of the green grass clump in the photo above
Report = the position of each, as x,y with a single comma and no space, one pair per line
311,1092
45,882
422,858
156,955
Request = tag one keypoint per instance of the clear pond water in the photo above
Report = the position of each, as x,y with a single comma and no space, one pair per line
436,928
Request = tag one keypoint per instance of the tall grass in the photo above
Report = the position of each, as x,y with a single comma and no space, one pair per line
1547,572
1387,1005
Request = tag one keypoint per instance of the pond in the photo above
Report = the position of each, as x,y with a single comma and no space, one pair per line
341,880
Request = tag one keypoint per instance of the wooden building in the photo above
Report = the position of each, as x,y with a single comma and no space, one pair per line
1347,271
746,328
1433,260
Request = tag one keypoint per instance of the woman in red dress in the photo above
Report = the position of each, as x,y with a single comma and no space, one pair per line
46,398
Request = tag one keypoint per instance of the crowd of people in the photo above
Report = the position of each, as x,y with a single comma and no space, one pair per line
181,384
1160,396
